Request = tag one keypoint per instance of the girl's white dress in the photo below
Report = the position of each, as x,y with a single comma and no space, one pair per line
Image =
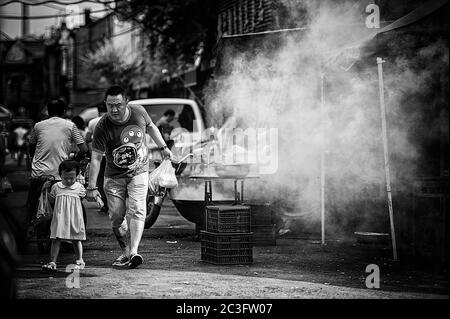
67,221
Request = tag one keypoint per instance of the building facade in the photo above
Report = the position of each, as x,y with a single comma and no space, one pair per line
84,89
29,74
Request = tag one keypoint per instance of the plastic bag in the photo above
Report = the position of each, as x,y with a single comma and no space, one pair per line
167,178
163,176
45,211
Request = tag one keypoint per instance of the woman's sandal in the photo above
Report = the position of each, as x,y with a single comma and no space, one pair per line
50,267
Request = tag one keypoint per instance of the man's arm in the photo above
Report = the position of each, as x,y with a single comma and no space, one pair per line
155,134
79,140
94,168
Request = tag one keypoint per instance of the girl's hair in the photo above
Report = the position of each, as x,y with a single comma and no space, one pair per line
68,166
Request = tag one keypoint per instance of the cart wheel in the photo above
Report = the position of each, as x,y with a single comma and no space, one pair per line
152,212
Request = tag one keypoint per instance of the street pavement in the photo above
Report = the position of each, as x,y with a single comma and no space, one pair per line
172,268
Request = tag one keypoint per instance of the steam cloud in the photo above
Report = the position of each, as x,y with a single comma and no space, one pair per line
282,89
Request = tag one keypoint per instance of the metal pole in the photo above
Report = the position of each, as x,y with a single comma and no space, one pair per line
380,61
322,159
25,20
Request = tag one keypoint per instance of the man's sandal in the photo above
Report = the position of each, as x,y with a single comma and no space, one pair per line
121,261
135,261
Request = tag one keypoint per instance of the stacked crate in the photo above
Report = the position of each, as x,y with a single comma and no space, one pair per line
227,239
263,225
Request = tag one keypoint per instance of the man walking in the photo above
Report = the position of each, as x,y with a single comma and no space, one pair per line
121,136
50,143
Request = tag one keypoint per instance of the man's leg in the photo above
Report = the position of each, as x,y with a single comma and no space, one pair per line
137,209
115,190
136,230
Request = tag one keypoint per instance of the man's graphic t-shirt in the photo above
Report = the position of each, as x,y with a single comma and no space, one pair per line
124,144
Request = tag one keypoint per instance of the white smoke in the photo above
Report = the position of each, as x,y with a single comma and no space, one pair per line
282,89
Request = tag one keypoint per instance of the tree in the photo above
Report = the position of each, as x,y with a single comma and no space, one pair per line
108,65
177,30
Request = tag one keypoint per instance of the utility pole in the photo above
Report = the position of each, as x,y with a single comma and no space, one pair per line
380,62
322,158
25,21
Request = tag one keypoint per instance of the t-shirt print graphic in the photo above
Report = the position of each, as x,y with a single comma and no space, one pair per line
133,151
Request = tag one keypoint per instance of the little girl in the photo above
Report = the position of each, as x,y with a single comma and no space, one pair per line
67,221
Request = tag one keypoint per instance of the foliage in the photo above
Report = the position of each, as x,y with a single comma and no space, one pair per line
177,30
109,65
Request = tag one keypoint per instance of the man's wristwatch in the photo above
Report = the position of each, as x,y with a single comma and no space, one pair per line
91,188
163,148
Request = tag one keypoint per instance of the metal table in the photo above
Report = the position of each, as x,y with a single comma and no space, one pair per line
238,195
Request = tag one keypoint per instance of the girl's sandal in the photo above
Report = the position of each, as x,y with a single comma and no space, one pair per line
79,264
49,267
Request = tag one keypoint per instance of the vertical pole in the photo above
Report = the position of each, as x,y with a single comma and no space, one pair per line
322,159
380,61
25,20
236,193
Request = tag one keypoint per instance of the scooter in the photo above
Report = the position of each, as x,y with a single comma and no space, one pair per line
156,200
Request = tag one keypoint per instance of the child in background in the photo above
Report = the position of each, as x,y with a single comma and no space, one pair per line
67,220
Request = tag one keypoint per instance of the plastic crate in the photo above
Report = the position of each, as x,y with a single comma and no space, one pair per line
226,249
262,214
228,219
264,235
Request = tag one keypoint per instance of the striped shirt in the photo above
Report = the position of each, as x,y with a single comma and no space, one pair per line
53,138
